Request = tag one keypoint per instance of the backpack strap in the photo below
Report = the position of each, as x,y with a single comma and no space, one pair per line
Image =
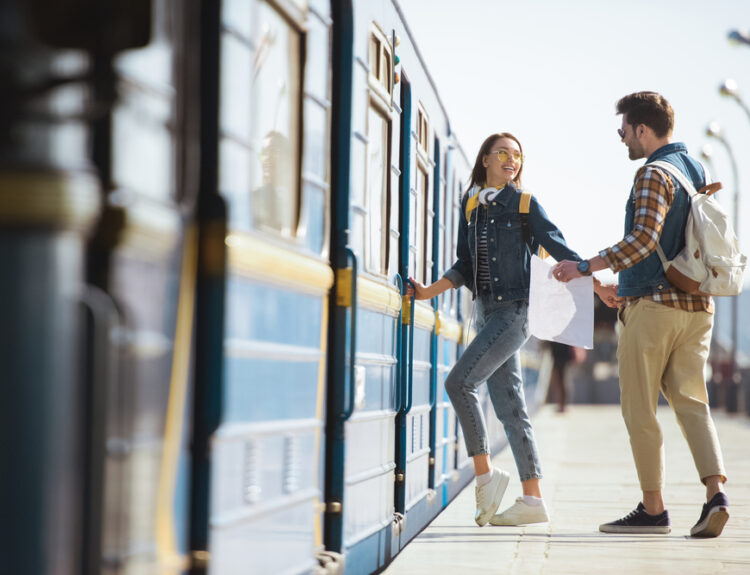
471,204
677,174
523,212
687,186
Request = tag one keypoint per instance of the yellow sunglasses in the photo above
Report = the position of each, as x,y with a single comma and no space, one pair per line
505,155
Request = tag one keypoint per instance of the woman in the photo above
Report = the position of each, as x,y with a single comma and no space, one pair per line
494,262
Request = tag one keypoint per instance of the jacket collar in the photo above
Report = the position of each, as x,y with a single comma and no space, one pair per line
501,196
672,148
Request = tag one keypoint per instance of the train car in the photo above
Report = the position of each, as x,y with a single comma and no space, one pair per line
268,451
245,386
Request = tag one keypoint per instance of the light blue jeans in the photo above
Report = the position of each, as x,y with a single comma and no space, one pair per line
493,356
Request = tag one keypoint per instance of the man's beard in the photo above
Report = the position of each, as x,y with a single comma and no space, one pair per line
634,153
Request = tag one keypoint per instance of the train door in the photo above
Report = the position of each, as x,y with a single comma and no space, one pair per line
414,497
274,128
49,204
144,258
360,472
448,481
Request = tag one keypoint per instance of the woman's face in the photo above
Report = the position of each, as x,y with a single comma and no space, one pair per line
503,162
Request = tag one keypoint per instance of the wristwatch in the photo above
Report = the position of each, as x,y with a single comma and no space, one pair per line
584,268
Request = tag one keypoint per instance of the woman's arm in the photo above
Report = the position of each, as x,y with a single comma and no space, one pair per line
420,291
548,234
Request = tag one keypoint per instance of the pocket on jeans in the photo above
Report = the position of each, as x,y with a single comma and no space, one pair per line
625,311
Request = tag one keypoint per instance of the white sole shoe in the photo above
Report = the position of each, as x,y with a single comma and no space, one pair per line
713,524
490,495
521,514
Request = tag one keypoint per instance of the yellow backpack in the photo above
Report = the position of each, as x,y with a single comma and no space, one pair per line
523,210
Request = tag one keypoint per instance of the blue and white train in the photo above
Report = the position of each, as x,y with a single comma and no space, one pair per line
208,211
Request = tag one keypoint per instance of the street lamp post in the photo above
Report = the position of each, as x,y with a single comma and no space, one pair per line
716,355
714,131
739,37
729,88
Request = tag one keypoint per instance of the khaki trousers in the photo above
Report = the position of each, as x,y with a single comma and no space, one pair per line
663,348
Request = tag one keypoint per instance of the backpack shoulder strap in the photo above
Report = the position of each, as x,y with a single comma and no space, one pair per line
523,207
523,211
687,186
677,174
471,204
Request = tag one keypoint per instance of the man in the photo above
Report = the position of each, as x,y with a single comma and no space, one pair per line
665,335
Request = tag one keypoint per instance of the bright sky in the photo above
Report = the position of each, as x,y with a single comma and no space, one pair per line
551,72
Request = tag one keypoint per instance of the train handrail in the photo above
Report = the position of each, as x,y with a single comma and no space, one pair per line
399,399
107,323
349,409
410,370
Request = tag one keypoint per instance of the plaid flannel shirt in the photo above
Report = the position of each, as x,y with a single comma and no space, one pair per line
654,193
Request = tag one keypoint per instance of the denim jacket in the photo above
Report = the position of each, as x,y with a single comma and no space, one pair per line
647,276
508,254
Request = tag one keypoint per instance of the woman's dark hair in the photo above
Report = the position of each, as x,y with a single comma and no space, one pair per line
479,172
649,108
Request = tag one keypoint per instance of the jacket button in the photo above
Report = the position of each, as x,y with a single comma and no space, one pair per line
492,239
492,221
494,259
661,286
494,203
496,279
499,297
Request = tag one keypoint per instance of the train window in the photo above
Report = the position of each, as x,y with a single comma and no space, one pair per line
456,199
260,114
144,120
374,56
423,131
378,156
416,226
426,191
380,60
447,242
378,169
395,207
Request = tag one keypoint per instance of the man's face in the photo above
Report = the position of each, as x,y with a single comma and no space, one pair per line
629,136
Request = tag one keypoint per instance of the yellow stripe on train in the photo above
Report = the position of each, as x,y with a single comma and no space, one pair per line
278,265
371,294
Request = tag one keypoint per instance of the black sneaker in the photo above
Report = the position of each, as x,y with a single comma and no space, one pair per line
638,521
713,517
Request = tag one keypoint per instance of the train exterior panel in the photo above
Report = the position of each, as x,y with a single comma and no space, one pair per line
267,454
255,392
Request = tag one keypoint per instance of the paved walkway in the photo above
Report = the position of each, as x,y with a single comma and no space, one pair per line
590,479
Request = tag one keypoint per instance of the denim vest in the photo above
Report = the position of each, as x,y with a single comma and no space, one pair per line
647,276
509,257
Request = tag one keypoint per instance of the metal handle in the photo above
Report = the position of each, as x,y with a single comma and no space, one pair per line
352,335
410,366
434,363
105,317
399,359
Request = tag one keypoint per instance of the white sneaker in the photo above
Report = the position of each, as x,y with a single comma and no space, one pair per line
520,513
490,495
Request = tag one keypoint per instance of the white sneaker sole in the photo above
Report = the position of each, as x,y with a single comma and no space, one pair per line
516,520
646,529
713,524
497,497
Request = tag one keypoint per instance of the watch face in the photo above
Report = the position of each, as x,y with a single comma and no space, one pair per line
583,266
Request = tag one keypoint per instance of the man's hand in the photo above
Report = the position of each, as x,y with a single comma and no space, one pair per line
608,294
565,271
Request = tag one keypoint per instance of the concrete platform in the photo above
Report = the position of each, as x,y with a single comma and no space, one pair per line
590,479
